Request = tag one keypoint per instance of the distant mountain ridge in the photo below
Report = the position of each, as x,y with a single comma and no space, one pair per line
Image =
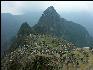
9,28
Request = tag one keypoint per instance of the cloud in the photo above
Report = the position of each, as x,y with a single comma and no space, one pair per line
20,7
10,7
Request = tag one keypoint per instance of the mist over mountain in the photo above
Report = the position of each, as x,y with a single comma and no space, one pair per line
83,18
9,28
10,25
31,18
24,31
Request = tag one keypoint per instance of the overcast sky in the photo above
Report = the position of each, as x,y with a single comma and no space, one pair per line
21,7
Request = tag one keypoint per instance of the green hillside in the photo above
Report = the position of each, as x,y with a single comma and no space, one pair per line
44,52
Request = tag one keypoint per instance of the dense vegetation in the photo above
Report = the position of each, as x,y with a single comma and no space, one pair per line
44,52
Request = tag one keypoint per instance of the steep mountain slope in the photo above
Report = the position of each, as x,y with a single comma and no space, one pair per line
51,23
83,18
32,51
9,28
10,25
24,30
31,18
44,52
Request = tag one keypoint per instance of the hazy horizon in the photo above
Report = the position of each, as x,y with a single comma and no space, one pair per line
21,7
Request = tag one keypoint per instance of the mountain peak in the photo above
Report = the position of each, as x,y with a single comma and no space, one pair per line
51,8
50,11
25,29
